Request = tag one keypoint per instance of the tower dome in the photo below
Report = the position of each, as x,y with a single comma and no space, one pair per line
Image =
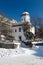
25,13
25,17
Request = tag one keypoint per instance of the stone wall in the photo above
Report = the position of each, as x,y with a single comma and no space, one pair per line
8,45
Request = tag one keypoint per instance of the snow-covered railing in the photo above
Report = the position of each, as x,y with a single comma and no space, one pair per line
37,42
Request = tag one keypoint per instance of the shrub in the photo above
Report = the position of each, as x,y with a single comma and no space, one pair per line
29,44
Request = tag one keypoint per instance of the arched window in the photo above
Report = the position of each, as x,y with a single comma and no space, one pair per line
19,29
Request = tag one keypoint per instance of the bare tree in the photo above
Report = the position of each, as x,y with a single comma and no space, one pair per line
40,32
37,22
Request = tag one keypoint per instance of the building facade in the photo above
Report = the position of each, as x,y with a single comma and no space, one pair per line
17,28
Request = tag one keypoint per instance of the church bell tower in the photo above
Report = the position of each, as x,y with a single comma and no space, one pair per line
25,17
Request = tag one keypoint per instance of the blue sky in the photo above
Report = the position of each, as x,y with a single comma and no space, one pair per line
14,8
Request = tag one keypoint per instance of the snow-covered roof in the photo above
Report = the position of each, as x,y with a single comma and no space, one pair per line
25,13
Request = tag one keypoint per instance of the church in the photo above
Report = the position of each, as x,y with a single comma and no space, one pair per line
17,27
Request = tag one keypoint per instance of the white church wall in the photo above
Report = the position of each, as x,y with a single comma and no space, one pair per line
32,29
28,18
17,33
25,18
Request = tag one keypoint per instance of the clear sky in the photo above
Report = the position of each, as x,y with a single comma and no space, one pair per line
14,8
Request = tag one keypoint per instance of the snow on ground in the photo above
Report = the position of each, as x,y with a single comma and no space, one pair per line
38,51
22,56
14,52
22,60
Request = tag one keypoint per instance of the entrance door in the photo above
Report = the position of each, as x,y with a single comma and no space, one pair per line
20,38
